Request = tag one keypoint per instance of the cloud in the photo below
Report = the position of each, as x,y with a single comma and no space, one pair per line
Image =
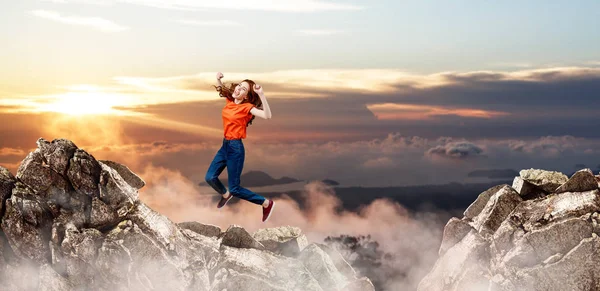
94,22
413,239
320,32
218,23
260,5
395,111
456,150
551,145
11,152
383,162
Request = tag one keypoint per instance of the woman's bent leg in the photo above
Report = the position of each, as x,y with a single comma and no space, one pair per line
215,169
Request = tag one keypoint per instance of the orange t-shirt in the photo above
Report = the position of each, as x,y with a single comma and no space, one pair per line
235,119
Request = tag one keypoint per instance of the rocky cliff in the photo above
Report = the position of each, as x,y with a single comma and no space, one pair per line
540,233
71,222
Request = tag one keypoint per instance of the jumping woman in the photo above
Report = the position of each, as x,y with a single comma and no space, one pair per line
241,106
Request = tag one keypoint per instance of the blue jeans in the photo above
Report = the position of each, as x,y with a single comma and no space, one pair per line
231,155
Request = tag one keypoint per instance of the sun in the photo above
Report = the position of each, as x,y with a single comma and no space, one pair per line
82,103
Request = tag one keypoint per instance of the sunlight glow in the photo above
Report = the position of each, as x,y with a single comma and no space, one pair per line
84,100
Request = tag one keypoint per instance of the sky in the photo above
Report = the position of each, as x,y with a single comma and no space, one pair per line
368,93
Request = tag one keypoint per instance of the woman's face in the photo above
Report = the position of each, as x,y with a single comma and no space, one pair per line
241,91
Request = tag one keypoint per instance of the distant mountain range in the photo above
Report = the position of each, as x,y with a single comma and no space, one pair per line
261,179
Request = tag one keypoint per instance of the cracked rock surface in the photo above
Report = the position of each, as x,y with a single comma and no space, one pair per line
541,233
71,222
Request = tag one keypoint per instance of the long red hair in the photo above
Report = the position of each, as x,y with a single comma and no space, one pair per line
252,96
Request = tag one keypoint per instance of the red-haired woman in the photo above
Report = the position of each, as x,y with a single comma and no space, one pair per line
243,102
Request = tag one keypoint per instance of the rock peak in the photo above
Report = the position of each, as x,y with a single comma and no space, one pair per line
541,233
72,222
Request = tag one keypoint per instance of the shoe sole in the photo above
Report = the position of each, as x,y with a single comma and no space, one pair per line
271,212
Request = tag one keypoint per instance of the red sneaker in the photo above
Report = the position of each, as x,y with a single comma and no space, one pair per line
224,201
267,211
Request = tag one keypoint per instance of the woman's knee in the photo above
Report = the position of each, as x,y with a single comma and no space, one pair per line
234,188
210,179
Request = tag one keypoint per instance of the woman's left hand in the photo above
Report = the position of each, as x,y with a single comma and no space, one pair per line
258,89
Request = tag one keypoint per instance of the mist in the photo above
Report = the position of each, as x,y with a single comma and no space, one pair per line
412,238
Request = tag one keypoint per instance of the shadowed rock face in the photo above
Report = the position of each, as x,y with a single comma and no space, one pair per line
541,233
71,222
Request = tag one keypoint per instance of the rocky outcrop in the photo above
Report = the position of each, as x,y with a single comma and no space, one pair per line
71,222
285,240
541,233
200,228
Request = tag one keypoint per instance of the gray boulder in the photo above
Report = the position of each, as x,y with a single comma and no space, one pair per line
236,236
581,181
200,228
497,208
482,199
362,284
542,243
129,176
252,269
340,263
285,240
546,180
7,183
322,268
526,189
56,154
454,231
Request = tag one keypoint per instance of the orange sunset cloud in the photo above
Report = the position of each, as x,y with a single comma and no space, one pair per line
395,111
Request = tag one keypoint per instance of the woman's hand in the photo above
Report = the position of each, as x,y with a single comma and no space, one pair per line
219,76
258,89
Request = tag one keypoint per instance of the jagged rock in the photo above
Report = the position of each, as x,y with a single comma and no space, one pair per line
549,243
45,182
546,180
57,153
52,281
321,267
102,215
454,231
84,173
208,248
73,223
252,269
26,224
577,270
581,181
200,228
362,284
160,227
526,189
285,240
482,199
129,176
236,236
75,254
115,192
7,183
496,210
340,263
452,269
